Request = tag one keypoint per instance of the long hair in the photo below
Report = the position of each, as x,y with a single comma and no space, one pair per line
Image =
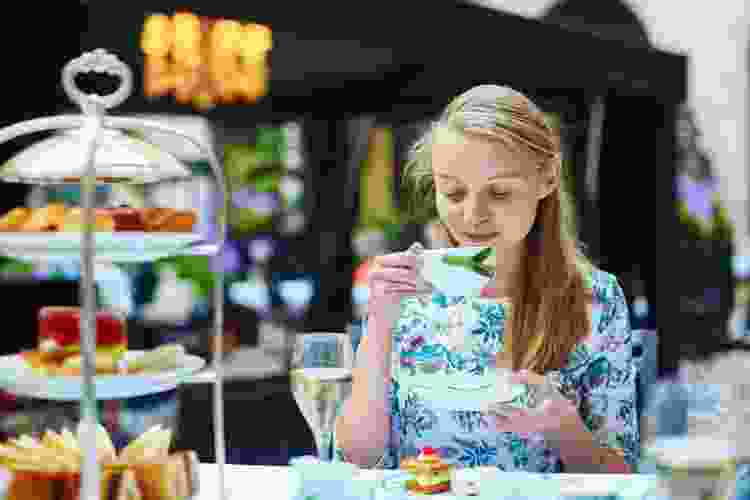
549,310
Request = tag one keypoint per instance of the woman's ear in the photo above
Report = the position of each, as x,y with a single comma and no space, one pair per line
550,180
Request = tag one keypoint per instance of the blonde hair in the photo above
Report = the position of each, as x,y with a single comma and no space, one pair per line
549,314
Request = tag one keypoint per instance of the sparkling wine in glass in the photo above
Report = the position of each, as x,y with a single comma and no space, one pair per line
321,378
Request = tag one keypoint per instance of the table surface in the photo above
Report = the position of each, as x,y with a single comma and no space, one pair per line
279,483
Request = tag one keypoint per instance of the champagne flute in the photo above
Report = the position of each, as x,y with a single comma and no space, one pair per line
321,378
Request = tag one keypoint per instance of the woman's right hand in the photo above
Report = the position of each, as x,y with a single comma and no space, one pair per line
393,277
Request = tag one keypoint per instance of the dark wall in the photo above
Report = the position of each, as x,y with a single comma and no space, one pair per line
33,61
638,218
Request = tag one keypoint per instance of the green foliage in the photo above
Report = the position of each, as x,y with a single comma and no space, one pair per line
192,268
719,228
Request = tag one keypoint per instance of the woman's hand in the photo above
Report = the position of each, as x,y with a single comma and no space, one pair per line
393,277
554,417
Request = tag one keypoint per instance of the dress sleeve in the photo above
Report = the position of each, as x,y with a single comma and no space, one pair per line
389,460
606,386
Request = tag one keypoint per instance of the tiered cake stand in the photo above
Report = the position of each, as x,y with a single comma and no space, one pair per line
88,149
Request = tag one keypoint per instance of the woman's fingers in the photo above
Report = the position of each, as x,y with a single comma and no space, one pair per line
394,275
405,260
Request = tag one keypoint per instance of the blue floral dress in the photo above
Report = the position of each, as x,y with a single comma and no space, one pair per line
600,371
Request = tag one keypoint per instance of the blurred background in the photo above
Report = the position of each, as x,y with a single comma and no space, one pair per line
652,113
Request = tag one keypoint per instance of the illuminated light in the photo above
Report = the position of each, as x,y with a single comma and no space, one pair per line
158,35
204,62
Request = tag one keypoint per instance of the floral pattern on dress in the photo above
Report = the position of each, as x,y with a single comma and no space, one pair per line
600,373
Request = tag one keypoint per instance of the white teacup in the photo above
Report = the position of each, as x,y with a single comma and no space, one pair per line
464,271
695,467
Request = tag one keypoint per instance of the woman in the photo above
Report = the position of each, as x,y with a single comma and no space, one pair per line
489,169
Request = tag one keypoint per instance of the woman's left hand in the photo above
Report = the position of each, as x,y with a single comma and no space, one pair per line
554,416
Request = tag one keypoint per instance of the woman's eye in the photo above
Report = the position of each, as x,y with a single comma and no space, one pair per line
500,195
455,196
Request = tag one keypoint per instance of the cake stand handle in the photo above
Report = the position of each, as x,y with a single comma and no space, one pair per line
99,61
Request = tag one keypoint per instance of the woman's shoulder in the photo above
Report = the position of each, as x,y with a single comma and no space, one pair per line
604,287
609,311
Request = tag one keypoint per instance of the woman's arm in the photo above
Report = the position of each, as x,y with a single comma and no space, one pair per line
580,452
363,428
606,437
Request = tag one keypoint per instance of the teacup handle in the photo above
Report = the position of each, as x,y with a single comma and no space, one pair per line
99,61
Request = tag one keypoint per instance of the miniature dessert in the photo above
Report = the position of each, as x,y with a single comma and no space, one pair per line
60,336
432,475
59,342
59,351
73,221
13,220
58,217
49,469
47,218
127,219
168,220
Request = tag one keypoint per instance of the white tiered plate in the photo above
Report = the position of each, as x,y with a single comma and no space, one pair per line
17,377
128,246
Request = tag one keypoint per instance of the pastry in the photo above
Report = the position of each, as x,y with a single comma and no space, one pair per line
50,469
13,220
103,179
168,220
73,220
181,222
432,475
48,218
120,485
35,485
126,219
59,333
57,217
174,477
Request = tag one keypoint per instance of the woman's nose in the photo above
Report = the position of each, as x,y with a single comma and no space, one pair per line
476,211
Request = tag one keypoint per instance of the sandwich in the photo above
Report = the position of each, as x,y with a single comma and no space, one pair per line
174,477
50,468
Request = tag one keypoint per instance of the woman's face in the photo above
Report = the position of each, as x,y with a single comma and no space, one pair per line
486,193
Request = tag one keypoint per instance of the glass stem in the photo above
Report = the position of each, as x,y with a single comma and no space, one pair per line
324,439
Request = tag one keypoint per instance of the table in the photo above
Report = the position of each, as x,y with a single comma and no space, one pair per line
279,483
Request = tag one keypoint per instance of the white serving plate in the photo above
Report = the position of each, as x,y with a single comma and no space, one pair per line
135,246
17,377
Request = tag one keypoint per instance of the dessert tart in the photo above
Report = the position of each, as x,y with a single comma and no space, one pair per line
432,475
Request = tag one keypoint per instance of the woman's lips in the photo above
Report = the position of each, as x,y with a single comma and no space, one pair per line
478,238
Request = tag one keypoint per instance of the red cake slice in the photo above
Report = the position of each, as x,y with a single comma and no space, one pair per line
59,332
